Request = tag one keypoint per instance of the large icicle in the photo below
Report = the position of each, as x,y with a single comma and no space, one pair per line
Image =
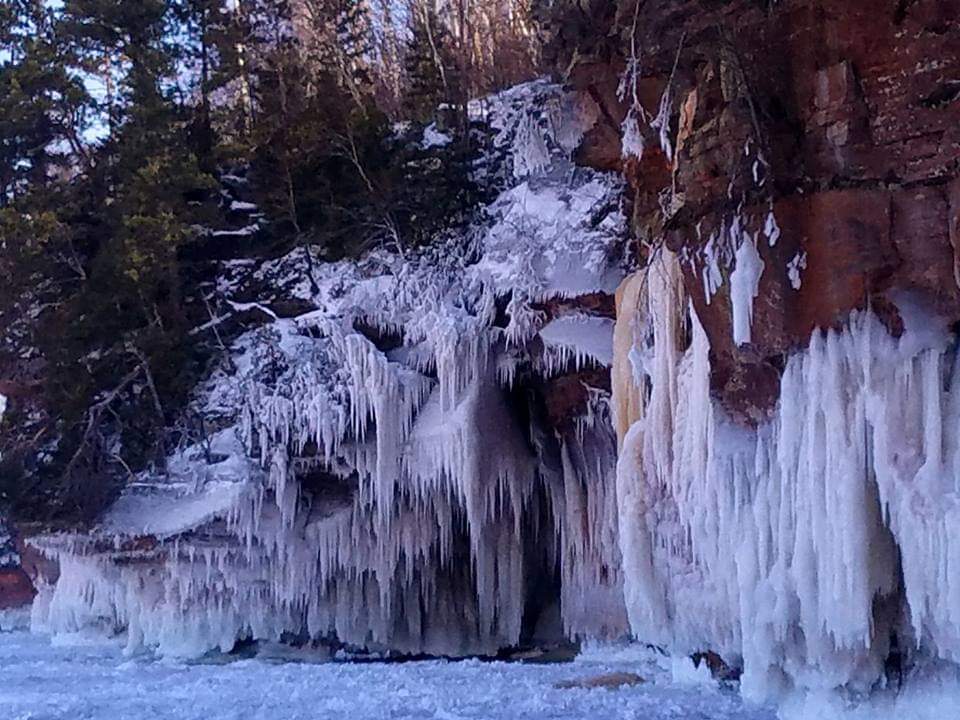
744,286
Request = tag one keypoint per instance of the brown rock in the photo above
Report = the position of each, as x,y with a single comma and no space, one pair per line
610,681
39,568
953,196
16,590
718,668
566,397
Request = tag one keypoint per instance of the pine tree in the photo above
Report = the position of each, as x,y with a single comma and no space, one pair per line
42,105
430,64
117,332
104,200
204,23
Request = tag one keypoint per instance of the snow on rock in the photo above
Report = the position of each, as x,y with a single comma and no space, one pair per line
243,232
569,231
580,338
170,508
808,546
433,137
771,229
364,477
795,270
632,143
536,125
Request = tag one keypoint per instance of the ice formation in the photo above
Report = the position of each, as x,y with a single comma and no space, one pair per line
632,144
771,229
578,338
376,474
368,477
805,546
744,286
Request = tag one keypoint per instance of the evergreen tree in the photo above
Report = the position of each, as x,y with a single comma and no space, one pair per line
150,189
430,64
43,105
115,343
104,200
205,26
303,144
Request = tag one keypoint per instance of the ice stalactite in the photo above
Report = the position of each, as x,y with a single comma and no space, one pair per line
795,269
592,582
577,340
744,283
785,546
439,566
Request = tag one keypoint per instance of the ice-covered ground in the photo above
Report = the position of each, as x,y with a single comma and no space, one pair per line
82,678
39,681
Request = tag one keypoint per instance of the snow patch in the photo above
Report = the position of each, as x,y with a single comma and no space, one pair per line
795,269
580,338
434,138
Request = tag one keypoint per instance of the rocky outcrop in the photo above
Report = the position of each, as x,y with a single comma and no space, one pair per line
16,590
839,122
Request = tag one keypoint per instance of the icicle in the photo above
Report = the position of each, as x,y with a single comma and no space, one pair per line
744,286
795,270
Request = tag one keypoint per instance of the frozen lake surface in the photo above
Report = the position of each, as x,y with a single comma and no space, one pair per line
81,681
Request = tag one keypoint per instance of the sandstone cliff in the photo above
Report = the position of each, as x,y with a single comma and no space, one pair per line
839,119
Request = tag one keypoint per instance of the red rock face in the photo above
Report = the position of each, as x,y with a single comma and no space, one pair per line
16,590
843,117
567,397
